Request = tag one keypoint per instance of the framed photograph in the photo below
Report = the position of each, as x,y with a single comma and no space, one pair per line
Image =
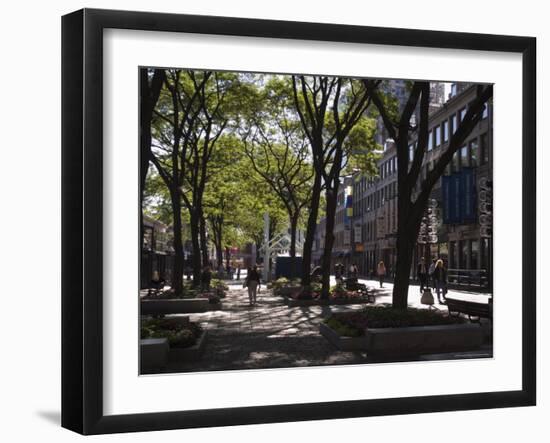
269,221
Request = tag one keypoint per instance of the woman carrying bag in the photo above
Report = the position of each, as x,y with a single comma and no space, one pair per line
440,279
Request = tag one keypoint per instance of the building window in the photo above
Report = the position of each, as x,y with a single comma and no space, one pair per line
464,157
444,253
445,131
430,141
464,254
474,257
437,136
453,255
455,166
454,123
484,149
462,113
453,89
485,253
474,153
485,113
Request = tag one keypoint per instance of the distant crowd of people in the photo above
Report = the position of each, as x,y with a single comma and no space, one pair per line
432,276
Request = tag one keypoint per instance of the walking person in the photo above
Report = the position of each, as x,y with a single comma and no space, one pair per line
440,279
206,278
338,272
252,282
381,271
431,270
238,273
422,274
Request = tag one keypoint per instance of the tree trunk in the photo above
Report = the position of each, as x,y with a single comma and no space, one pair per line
177,276
293,228
219,253
310,231
149,94
403,264
408,229
194,225
203,240
227,257
331,197
145,143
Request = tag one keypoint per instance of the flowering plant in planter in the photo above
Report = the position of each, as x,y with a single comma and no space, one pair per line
180,332
219,287
310,292
338,291
354,324
187,292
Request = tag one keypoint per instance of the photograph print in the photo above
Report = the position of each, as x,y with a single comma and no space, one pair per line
297,220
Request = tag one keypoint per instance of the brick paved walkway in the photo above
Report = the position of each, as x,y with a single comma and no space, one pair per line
267,335
271,335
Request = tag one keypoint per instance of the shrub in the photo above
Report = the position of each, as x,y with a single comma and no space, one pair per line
343,329
279,283
387,317
169,294
316,287
179,331
170,323
146,332
218,284
338,291
182,339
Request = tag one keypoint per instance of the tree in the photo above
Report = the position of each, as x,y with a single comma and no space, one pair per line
215,107
236,199
411,209
329,108
278,150
150,84
175,118
222,197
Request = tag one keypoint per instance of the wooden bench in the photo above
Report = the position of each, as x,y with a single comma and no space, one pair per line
474,310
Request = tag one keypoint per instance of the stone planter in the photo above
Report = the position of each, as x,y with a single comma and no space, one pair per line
412,340
177,306
153,354
294,303
191,353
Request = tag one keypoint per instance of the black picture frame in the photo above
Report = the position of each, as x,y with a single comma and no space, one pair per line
82,159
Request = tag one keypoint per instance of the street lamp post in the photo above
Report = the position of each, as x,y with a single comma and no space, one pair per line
267,251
